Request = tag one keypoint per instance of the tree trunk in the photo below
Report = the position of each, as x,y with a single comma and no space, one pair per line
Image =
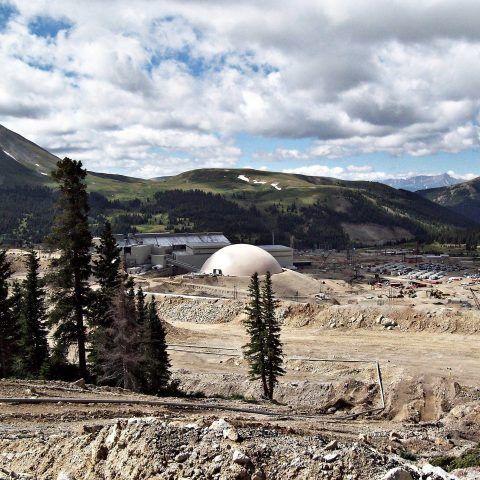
266,391
271,379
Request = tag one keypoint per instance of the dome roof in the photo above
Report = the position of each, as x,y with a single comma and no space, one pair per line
241,261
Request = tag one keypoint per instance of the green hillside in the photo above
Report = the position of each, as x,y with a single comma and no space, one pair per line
340,197
246,204
463,198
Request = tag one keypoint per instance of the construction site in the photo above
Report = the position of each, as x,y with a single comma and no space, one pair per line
371,365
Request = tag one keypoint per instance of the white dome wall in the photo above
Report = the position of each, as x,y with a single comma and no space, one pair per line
241,260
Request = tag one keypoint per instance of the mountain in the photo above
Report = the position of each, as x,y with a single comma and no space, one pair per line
368,212
422,182
463,198
22,162
246,204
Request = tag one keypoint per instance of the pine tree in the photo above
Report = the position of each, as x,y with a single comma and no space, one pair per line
106,269
17,301
130,288
8,324
141,314
273,345
33,335
156,363
106,264
71,291
254,351
141,307
121,362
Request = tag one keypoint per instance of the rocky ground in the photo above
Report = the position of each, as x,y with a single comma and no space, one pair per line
67,441
220,428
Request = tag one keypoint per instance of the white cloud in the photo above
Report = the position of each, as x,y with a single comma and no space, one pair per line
351,172
365,172
136,85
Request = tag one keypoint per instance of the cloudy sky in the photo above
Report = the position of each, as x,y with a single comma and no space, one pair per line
347,88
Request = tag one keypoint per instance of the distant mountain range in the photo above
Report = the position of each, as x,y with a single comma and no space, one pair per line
422,182
246,204
463,198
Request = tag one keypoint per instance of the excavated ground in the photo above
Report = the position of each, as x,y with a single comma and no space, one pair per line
69,441
428,356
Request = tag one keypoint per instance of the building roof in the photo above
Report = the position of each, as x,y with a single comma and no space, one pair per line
171,239
276,248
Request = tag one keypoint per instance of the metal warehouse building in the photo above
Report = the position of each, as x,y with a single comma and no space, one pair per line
176,253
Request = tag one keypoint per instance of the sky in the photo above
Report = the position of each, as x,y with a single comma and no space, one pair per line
354,89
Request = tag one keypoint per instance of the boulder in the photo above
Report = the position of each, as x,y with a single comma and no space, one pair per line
219,425
331,457
397,473
240,458
80,383
65,476
231,434
182,457
436,472
331,445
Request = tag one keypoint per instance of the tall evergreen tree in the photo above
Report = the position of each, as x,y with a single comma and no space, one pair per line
106,269
273,344
130,289
71,235
8,324
254,351
121,361
17,301
106,264
33,334
142,308
156,362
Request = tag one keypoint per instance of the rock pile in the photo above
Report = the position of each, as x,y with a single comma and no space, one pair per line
199,311
210,448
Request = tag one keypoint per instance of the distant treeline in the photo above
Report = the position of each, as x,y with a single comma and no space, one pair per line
26,214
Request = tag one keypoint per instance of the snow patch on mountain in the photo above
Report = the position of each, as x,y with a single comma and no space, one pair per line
10,155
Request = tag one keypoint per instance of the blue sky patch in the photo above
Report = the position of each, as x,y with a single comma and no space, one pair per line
48,27
196,66
7,11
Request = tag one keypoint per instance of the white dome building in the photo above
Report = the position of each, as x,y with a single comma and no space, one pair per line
241,260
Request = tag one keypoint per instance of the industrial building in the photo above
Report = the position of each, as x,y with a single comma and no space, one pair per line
177,253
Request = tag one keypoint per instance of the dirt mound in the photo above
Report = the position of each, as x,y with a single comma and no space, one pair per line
199,310
294,314
344,395
403,318
463,420
416,399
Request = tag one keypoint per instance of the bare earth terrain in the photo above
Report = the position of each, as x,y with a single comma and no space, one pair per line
330,419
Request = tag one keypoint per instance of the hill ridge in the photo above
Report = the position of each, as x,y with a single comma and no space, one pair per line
302,209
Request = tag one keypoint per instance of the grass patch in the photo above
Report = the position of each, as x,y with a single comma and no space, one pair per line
471,458
406,455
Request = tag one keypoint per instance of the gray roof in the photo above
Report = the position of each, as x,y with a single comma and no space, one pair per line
276,248
207,244
171,239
